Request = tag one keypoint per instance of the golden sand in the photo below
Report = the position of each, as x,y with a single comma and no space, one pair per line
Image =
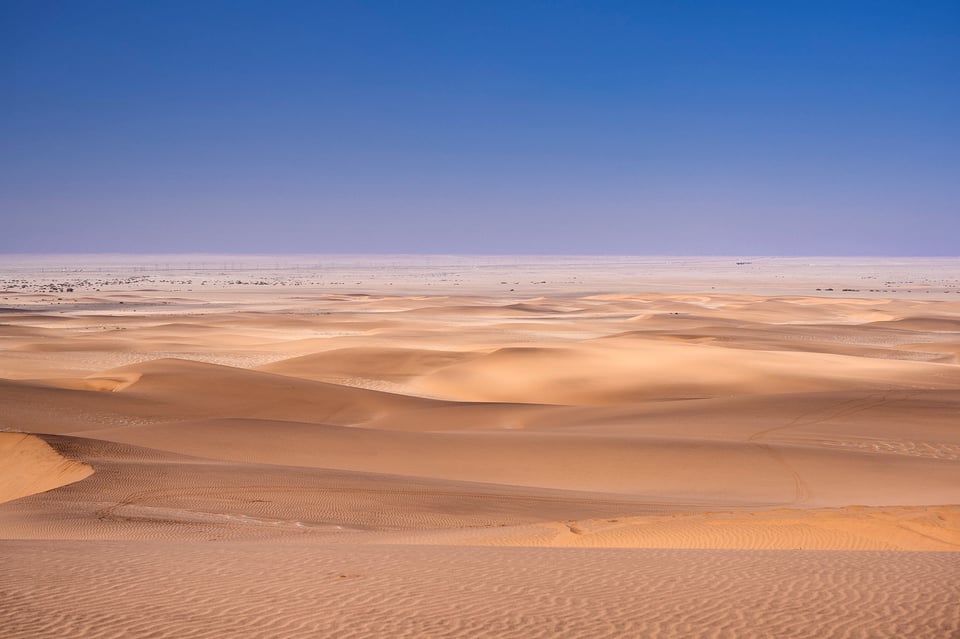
374,448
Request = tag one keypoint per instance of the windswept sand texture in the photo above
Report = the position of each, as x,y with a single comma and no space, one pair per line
214,446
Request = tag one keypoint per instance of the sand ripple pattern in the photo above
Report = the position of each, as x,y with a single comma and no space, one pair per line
929,450
120,589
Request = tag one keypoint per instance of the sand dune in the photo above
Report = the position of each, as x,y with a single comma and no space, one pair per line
29,466
614,372
201,389
579,456
850,528
383,363
141,493
740,472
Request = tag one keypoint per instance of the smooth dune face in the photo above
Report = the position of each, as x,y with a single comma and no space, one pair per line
548,461
28,466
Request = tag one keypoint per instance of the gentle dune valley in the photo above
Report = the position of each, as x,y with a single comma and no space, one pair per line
479,447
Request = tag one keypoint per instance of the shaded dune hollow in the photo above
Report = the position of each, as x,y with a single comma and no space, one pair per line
271,461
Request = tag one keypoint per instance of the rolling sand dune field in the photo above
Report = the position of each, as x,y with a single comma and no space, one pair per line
213,446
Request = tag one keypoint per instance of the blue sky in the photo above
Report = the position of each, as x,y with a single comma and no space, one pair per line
724,128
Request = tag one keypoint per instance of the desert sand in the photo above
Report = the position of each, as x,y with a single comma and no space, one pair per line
321,446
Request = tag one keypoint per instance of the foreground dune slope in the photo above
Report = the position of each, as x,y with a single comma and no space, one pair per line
751,472
143,493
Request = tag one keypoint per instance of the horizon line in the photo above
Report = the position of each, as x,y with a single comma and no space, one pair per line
28,254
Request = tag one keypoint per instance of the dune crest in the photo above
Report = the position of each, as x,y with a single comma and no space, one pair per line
924,528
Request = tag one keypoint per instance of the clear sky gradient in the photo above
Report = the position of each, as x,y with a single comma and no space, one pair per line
723,128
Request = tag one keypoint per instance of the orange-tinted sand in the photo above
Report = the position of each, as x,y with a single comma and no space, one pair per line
540,447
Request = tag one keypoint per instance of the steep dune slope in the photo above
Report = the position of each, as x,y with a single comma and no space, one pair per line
28,466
